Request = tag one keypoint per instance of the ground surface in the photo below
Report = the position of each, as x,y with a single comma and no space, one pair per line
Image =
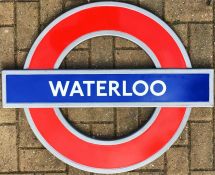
20,23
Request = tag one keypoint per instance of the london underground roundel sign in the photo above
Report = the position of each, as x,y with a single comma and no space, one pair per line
173,91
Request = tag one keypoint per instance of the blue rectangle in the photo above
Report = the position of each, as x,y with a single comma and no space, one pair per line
35,88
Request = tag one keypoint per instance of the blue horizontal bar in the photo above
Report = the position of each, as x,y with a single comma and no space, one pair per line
39,88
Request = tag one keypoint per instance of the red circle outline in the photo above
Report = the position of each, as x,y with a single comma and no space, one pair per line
97,19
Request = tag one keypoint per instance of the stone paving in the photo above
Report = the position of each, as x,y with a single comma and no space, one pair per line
20,23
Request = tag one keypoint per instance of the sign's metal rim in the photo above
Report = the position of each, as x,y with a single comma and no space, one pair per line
104,33
112,104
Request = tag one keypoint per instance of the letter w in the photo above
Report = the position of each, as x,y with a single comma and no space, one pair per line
59,87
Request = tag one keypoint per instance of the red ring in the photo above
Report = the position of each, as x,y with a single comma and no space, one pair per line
96,19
